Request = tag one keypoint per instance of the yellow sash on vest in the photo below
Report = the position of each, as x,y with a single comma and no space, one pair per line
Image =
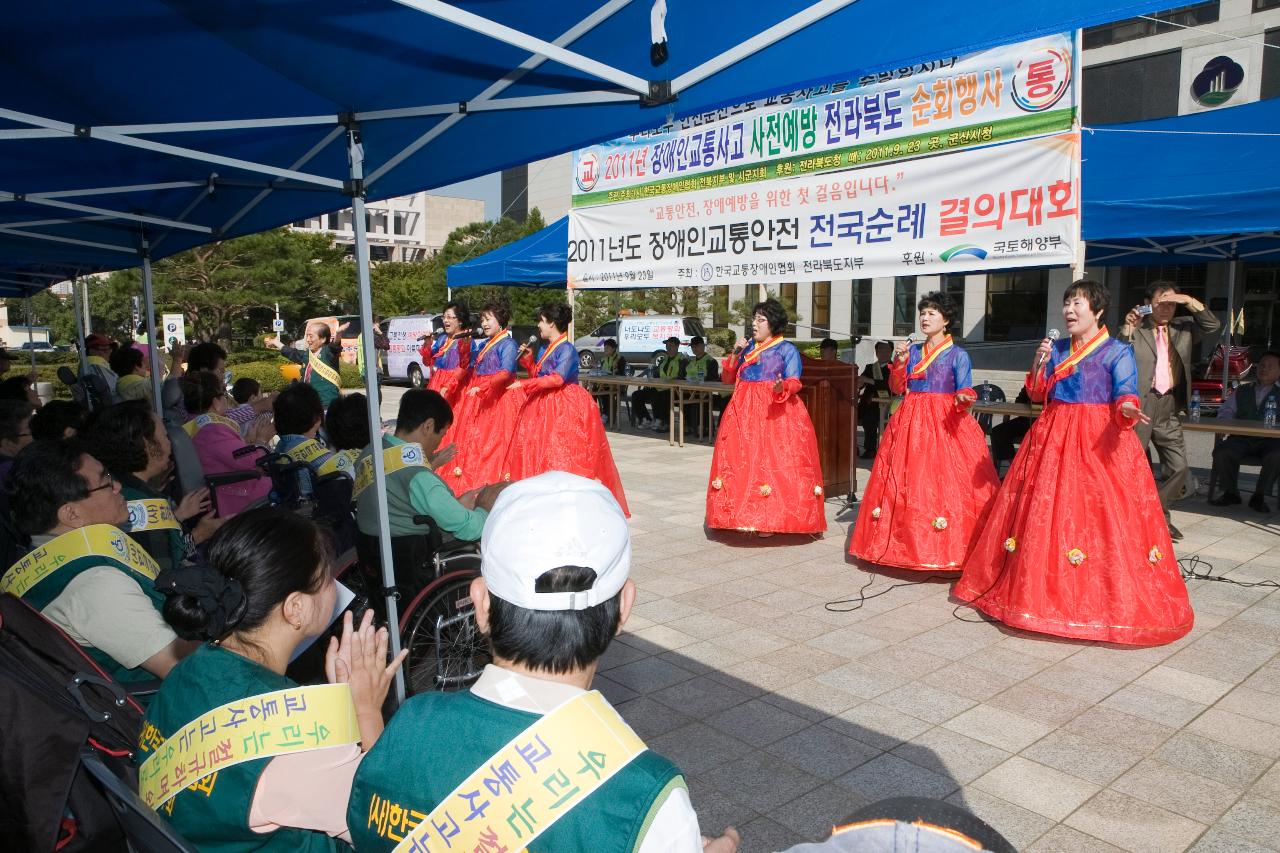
130,379
210,418
394,459
287,721
151,514
584,743
95,540
98,361
317,365
343,461
308,451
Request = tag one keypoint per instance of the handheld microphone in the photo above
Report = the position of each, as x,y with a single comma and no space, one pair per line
1053,335
915,338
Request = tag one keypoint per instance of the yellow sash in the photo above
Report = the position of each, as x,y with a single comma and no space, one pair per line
210,418
754,356
95,540
293,720
327,373
929,356
151,514
1067,367
537,368
129,379
341,461
308,451
98,361
394,459
584,742
492,342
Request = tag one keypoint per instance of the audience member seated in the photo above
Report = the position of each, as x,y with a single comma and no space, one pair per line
1006,436
298,416
347,426
130,440
554,592
1248,403
15,431
245,390
210,358
57,419
412,487
20,388
651,407
85,574
611,364
217,438
269,586
828,350
98,349
133,376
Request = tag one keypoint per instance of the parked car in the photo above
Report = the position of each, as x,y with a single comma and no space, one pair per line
1209,381
640,337
40,346
404,334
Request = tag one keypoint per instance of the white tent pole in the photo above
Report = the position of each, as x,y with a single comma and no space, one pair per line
1231,322
355,153
153,354
76,287
31,333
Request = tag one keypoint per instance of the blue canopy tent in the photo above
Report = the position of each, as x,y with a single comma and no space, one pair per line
539,260
137,129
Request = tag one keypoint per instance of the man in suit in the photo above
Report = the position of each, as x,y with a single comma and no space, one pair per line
1162,345
874,384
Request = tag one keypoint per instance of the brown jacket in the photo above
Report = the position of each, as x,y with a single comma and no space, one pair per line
1183,332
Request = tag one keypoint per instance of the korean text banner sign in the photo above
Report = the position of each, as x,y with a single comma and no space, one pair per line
850,179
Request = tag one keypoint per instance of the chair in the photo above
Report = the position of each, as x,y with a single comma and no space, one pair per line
146,831
993,394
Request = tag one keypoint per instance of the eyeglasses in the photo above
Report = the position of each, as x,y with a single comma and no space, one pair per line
110,481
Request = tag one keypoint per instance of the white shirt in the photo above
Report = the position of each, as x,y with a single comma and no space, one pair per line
675,827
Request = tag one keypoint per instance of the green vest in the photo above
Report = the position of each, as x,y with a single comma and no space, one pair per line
1247,408
698,368
399,507
168,547
670,368
327,390
436,740
47,590
214,813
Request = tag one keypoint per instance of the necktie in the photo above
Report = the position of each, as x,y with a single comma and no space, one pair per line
1164,379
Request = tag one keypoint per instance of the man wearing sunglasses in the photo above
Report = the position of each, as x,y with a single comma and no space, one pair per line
85,574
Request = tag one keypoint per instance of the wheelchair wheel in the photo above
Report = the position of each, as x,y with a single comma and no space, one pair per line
446,650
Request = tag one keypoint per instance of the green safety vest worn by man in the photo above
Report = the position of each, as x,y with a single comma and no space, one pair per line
412,489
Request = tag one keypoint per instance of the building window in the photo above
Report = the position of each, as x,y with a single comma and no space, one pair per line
860,307
1160,22
1264,5
1188,278
820,310
952,284
787,296
1261,307
1132,89
398,223
1271,62
904,305
332,222
1016,304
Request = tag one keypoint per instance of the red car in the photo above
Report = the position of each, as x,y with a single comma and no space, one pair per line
1210,382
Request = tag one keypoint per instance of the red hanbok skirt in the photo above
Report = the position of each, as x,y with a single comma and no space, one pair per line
450,378
930,488
483,427
765,473
560,430
1076,544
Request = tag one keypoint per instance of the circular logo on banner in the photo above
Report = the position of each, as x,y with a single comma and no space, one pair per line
136,515
1040,80
588,170
707,272
1217,81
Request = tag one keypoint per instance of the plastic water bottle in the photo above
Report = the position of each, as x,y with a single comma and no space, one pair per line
1269,414
986,392
1193,408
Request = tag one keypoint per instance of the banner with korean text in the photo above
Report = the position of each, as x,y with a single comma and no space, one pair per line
958,164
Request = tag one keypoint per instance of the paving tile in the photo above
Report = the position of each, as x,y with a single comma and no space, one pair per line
700,697
1002,659
665,637
757,723
612,690
998,727
715,809
1116,727
927,703
1186,685
849,643
964,679
1133,824
1033,786
877,725
1238,731
1092,760
1064,839
697,748
705,656
1218,840
649,674
1252,703
889,776
1039,703
620,653
802,658
950,754
1177,790
1254,819
1268,785
765,835
651,718
1153,705
863,681
665,610
762,782
757,675
811,699
813,815
823,751
904,661
1015,824
1211,759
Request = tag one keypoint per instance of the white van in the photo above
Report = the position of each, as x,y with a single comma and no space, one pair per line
404,334
640,337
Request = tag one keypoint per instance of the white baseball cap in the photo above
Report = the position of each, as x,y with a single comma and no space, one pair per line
552,520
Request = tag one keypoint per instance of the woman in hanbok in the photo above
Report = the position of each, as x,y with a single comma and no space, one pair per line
933,481
765,474
1076,544
485,415
450,355
560,427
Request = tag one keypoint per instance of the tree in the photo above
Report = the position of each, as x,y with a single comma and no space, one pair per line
46,310
474,240
405,288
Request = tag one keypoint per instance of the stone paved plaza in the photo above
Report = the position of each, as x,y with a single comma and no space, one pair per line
786,716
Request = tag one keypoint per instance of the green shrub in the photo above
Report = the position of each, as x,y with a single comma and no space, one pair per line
250,355
267,374
723,338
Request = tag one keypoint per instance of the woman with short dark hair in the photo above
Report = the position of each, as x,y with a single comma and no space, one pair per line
1076,544
449,356
484,418
766,477
933,479
217,438
559,428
